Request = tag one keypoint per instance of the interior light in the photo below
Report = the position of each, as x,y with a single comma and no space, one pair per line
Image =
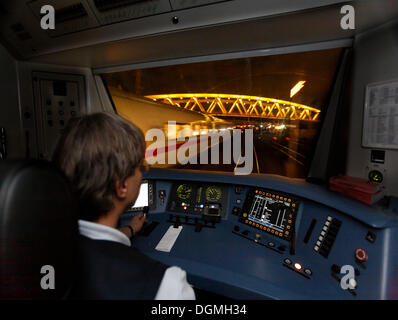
299,85
297,266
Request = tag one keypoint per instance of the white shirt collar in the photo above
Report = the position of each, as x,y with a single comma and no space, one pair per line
98,231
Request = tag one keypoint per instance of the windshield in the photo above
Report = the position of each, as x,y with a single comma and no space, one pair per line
249,115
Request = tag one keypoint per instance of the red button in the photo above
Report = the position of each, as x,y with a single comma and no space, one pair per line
361,255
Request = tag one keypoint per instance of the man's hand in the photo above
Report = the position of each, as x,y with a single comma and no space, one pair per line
137,222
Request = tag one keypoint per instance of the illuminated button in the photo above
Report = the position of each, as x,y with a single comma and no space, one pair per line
258,237
316,248
261,227
288,227
257,225
250,222
293,204
361,255
289,200
268,229
245,215
290,216
329,218
320,238
246,221
297,266
277,197
290,221
271,244
280,234
327,223
308,272
272,231
286,232
318,243
323,233
288,261
273,196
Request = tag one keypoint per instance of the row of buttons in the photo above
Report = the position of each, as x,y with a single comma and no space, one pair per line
254,224
61,113
60,103
274,196
327,236
257,239
298,266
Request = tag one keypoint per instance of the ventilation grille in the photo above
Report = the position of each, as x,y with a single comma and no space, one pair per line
106,5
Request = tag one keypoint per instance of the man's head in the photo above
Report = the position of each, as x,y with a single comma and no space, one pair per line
101,155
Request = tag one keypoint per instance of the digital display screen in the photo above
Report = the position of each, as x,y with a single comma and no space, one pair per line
270,212
142,199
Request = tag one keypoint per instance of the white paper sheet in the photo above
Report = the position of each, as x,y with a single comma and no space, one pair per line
380,128
169,238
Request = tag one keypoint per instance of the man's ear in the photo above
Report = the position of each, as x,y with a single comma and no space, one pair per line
121,189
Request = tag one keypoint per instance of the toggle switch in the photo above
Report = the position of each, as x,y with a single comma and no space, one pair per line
257,237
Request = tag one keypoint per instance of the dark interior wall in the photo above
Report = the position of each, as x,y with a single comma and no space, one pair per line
375,60
9,109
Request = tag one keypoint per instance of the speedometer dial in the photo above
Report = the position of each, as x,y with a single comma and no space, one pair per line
184,191
213,193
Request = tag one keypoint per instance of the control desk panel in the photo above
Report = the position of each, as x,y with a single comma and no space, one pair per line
261,237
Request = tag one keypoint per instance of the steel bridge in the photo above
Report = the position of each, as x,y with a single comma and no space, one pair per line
239,106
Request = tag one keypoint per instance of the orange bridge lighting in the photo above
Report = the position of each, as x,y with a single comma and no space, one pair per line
239,106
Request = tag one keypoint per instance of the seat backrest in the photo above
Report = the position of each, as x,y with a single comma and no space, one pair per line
38,231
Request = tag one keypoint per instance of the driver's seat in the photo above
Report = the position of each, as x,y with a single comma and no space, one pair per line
38,231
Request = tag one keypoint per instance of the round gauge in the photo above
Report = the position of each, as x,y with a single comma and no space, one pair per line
375,176
184,191
213,193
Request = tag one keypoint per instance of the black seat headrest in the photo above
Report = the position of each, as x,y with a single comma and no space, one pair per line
38,228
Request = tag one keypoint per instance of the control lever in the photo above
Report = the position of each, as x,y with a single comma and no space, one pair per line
177,223
145,211
162,196
148,226
198,225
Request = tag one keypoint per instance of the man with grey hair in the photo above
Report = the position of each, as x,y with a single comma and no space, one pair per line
102,154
